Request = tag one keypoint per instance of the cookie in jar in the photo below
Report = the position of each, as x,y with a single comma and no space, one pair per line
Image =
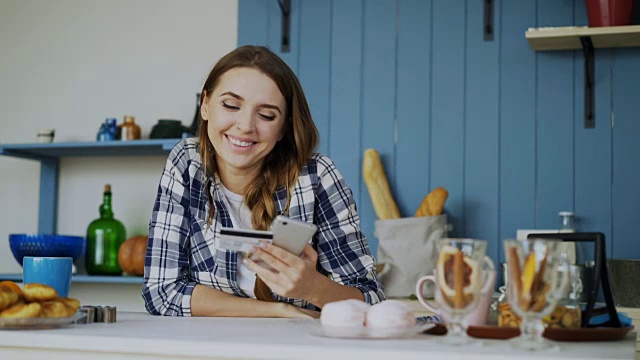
562,317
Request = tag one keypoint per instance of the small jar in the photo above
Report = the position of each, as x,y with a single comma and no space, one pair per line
129,130
568,313
567,221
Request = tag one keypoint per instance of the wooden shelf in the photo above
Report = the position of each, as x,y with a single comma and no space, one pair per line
568,38
86,279
587,39
45,151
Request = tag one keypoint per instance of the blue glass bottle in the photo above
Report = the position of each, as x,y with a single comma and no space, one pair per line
103,133
112,127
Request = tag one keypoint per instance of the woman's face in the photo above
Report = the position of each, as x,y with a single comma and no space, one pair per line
245,116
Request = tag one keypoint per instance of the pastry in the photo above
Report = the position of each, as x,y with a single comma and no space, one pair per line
378,186
72,305
8,297
514,270
457,276
390,314
22,311
39,292
433,203
35,300
346,313
13,286
54,309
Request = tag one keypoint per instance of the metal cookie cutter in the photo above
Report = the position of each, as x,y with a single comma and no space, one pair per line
109,314
106,314
90,314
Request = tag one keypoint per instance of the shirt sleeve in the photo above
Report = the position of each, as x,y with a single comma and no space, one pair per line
343,250
167,285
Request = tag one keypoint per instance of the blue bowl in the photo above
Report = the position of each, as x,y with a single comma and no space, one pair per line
46,245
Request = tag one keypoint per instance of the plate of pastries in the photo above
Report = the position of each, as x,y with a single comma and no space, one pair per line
355,319
35,306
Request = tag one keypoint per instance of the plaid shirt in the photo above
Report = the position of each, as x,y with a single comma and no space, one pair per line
182,251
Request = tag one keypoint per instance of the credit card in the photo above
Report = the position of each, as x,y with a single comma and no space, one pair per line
243,240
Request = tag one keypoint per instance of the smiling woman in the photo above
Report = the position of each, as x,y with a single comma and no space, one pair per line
244,128
253,159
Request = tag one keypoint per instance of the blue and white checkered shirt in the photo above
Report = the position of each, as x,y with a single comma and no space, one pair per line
182,251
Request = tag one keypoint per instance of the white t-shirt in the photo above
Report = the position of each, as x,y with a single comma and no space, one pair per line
241,219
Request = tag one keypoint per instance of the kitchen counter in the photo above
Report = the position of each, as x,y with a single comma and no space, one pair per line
139,336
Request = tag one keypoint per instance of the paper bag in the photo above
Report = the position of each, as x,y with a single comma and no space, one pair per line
406,248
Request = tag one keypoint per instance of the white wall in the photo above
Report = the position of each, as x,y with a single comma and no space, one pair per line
68,65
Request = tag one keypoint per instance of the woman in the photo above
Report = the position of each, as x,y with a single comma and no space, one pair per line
252,160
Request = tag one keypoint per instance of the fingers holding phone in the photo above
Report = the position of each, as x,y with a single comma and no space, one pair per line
288,275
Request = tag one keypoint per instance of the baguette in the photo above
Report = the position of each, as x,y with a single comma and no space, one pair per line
378,186
433,203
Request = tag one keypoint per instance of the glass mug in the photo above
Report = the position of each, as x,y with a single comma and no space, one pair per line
539,277
477,316
461,276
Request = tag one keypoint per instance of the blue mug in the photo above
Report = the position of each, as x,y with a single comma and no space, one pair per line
52,271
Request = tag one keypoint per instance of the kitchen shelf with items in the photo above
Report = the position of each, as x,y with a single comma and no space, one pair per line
49,155
587,39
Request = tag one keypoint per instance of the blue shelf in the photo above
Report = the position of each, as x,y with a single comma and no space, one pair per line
49,155
86,279
50,151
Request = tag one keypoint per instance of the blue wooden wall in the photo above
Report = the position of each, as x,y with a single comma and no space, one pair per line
497,124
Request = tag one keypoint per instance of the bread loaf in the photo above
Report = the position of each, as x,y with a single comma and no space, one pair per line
378,186
433,203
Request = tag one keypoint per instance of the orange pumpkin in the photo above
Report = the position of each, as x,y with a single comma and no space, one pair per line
131,255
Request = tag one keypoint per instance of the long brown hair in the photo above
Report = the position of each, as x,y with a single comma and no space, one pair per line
282,165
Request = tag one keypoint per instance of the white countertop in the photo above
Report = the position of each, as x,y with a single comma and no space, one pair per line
139,334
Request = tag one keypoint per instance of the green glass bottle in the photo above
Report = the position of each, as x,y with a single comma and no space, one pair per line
104,237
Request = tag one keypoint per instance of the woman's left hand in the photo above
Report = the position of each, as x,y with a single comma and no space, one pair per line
291,276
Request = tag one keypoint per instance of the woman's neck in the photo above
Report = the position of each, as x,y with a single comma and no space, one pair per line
236,180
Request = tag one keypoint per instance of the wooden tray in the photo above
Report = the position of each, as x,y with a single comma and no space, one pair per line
503,333
587,334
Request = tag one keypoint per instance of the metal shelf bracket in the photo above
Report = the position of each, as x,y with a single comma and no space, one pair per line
589,82
488,29
285,8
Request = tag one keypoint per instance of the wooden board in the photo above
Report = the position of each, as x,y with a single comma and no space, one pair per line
567,38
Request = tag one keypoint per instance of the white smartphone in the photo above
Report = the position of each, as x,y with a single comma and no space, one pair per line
292,235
